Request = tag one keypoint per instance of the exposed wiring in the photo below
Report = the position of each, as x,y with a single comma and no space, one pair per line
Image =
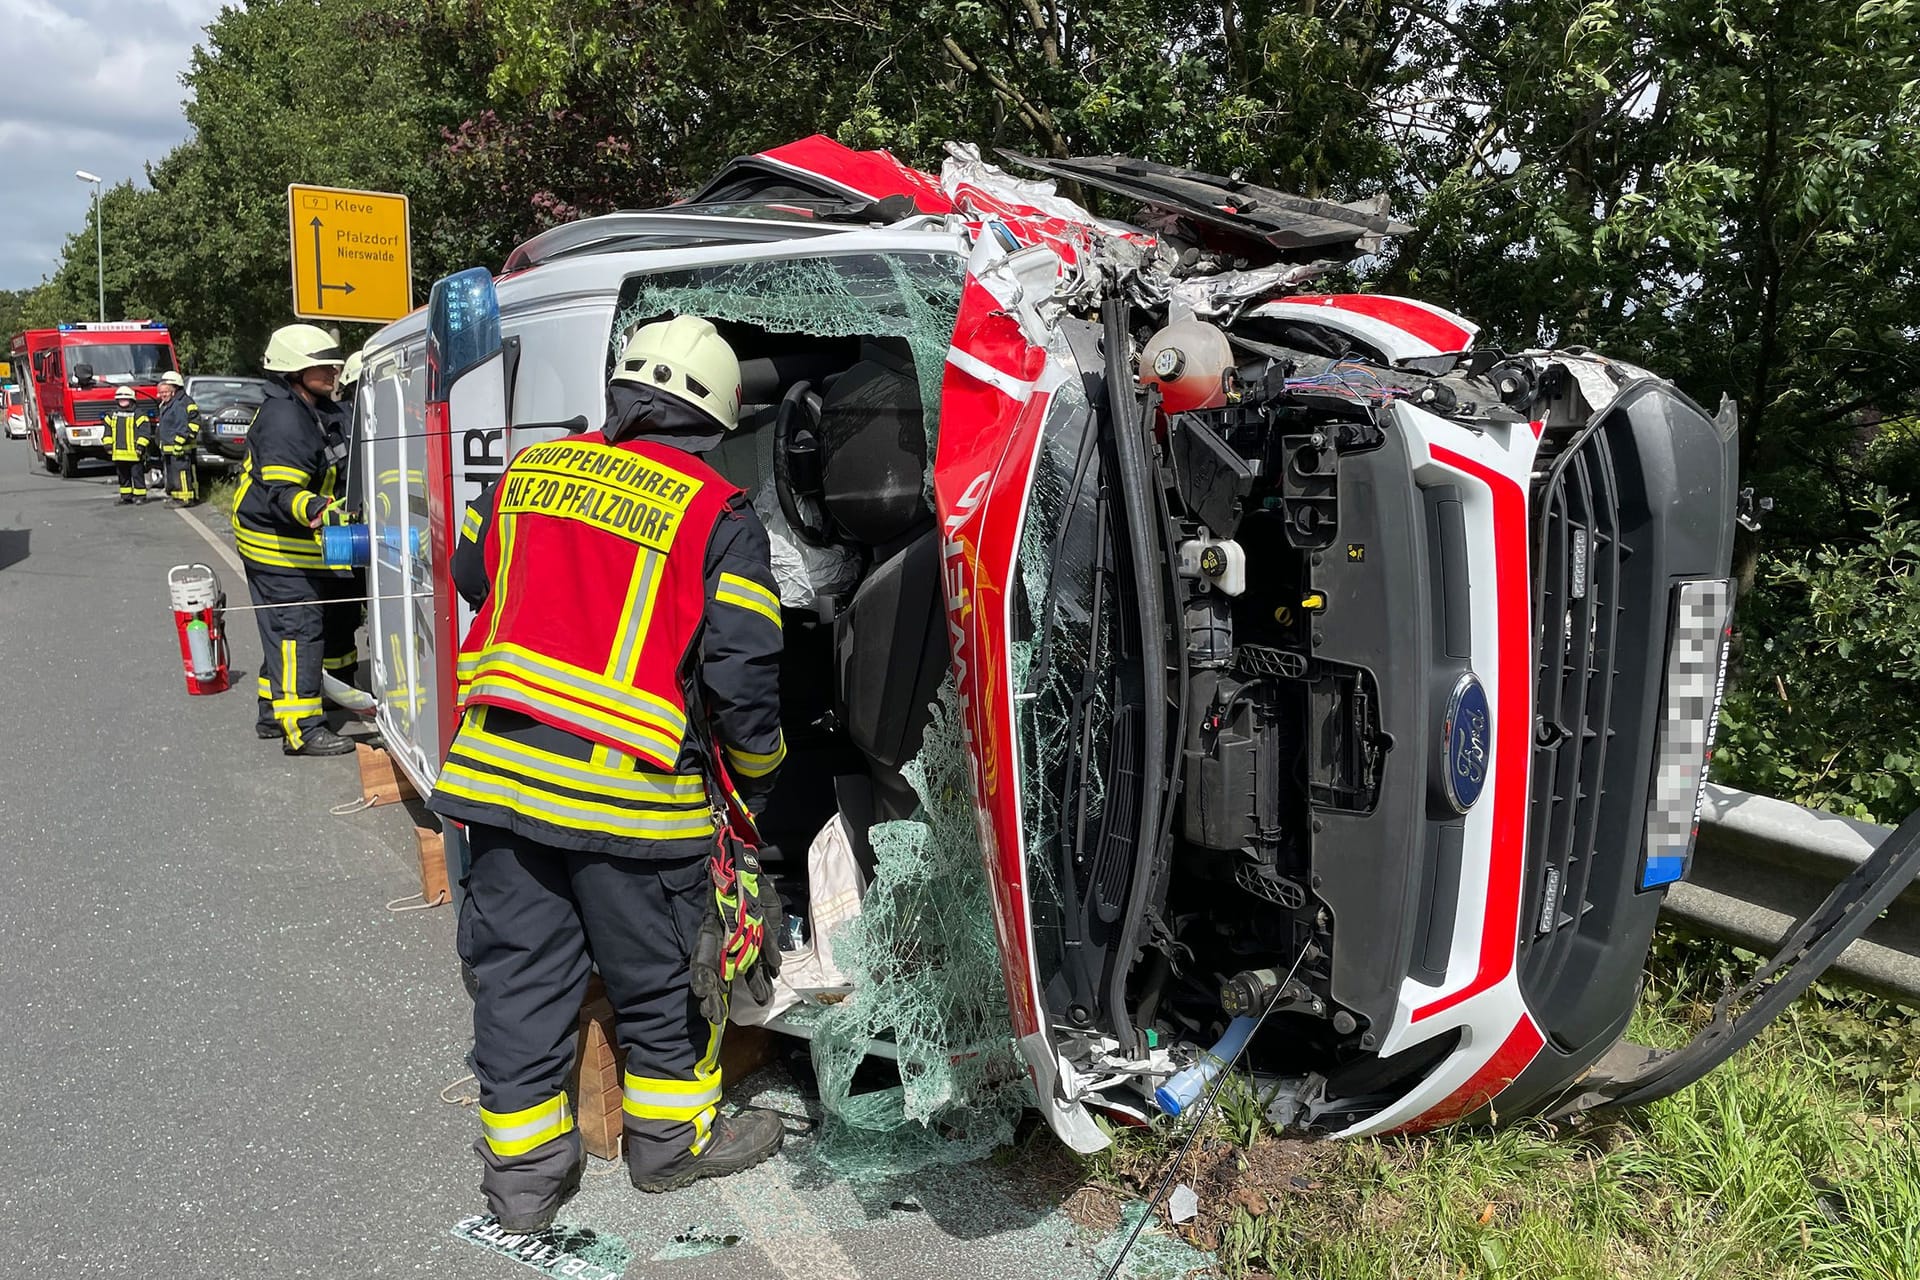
1200,1115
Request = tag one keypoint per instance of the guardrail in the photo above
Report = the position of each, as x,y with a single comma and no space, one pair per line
1761,864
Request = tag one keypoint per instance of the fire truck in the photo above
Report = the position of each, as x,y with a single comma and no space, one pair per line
69,376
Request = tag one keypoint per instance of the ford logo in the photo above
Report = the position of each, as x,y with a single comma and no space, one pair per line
1467,740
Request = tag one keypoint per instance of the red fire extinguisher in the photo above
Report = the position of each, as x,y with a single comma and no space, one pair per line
198,602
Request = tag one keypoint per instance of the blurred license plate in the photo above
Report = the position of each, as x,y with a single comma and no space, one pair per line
233,428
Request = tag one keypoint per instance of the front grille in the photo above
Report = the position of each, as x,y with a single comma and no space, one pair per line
87,412
1578,554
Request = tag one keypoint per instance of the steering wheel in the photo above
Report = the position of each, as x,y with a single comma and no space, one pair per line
799,465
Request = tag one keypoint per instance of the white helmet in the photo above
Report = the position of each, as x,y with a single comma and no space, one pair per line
295,347
172,379
123,396
685,357
350,372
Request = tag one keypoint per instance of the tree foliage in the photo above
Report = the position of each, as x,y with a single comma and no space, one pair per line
1724,190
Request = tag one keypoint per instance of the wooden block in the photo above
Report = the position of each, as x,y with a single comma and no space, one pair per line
744,1050
597,1090
434,889
380,781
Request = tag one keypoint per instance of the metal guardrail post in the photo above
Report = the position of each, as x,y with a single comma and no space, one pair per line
1760,864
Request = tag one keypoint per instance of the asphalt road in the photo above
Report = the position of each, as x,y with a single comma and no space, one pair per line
222,1054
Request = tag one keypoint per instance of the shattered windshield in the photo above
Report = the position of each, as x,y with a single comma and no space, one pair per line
1064,672
915,296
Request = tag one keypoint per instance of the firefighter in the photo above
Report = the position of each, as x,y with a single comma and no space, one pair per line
177,432
289,488
627,625
128,433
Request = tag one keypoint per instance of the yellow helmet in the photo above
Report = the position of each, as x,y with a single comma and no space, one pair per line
686,357
301,346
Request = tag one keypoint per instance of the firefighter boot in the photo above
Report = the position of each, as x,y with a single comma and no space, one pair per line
320,741
525,1191
738,1142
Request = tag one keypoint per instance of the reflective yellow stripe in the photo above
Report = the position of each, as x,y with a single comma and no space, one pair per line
283,475
672,789
458,779
265,688
757,764
470,526
636,614
348,659
511,690
512,1133
301,501
653,1098
567,678
747,594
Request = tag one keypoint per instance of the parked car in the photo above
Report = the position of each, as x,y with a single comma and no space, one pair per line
1316,665
14,409
227,405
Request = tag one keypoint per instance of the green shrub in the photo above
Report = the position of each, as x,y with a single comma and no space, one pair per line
1826,707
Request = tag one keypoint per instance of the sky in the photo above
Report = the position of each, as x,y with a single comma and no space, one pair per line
84,84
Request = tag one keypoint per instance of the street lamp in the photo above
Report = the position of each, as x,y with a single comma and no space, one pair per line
99,243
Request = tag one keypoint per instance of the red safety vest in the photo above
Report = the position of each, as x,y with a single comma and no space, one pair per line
597,556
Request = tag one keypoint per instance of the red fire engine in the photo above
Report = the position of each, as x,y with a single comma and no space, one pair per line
69,376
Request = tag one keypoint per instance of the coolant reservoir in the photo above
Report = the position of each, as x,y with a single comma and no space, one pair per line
1188,360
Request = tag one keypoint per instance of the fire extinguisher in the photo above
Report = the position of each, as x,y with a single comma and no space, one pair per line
198,604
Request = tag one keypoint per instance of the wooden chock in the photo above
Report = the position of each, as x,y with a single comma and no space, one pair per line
597,1082
380,781
434,889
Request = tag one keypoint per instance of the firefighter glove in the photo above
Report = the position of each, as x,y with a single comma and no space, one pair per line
334,512
733,941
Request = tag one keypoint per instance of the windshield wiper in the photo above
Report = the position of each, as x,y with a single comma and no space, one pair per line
1050,607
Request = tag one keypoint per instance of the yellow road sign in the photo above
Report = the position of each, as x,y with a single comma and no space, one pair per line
352,258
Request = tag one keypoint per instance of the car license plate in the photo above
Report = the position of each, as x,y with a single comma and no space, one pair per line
233,428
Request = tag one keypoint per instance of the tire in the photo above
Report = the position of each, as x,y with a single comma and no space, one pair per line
68,465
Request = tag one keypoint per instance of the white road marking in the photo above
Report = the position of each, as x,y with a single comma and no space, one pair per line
227,553
799,1246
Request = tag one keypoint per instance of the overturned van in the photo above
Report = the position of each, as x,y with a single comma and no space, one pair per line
1316,667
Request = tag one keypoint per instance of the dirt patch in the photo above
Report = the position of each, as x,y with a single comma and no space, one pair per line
1093,1209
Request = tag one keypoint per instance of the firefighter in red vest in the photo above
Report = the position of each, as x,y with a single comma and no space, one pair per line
628,627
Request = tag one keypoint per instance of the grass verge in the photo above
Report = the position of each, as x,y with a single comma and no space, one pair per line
1798,1159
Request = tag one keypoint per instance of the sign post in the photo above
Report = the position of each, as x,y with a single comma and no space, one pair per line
352,255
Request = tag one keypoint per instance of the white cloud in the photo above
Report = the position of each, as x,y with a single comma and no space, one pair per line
88,84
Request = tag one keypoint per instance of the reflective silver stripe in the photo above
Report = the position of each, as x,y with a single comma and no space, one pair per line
555,1120
598,690
652,788
461,780
638,613
643,740
660,1104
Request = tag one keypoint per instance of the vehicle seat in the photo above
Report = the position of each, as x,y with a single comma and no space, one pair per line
890,650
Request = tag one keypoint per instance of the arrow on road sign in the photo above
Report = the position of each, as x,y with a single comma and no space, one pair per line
320,287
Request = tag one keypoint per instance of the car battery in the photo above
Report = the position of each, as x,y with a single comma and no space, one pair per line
199,624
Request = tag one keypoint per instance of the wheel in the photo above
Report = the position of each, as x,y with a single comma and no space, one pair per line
69,466
49,461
